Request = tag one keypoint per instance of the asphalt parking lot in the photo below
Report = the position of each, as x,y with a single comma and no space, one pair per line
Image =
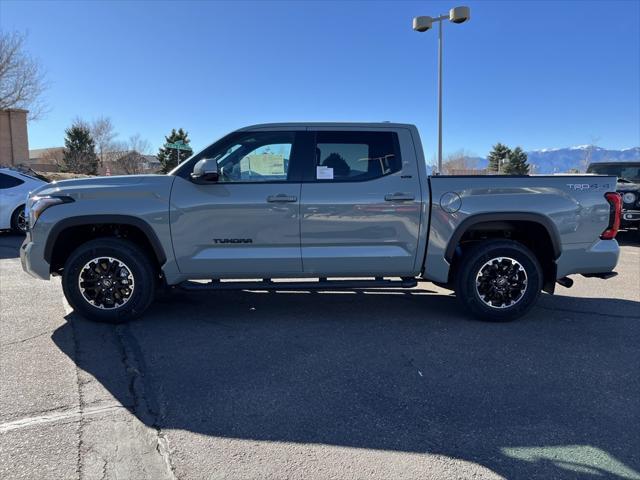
374,384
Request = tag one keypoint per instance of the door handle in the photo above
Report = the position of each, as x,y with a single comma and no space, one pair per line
282,198
399,197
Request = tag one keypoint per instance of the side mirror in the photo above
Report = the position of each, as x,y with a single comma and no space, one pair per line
205,171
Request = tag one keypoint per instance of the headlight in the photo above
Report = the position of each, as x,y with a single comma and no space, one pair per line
40,204
629,197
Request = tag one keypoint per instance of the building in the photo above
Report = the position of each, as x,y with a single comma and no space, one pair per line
151,164
467,171
115,163
14,151
45,159
14,143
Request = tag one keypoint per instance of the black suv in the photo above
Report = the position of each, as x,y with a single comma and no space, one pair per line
628,187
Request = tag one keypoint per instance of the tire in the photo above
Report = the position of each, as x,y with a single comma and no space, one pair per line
498,280
109,262
19,221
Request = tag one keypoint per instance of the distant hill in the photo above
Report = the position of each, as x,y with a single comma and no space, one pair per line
550,160
559,160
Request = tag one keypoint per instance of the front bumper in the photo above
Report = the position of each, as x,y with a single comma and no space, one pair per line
32,258
630,218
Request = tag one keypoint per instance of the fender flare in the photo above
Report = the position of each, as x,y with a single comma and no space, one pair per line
62,225
538,218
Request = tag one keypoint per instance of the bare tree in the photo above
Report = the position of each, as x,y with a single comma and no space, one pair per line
53,156
22,78
460,163
131,162
139,144
103,134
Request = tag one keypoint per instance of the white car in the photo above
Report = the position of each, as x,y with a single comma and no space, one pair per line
14,187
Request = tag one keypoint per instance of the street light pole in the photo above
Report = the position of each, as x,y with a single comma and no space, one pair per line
422,24
440,97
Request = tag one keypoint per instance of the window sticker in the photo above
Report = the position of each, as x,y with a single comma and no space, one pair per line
324,173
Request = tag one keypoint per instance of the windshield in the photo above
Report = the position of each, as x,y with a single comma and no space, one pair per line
628,172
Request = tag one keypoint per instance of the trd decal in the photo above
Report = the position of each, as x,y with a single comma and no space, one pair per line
588,186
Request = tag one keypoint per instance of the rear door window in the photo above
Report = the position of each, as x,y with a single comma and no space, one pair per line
355,156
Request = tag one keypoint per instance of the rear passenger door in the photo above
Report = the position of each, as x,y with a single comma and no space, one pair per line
360,205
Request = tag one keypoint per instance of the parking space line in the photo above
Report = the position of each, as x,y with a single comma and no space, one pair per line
73,414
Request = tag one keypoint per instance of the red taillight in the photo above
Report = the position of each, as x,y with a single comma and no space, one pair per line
615,210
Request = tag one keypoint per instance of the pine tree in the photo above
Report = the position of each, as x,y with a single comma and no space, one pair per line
79,151
497,157
517,163
170,157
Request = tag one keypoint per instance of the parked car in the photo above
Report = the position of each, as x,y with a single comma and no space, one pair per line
14,187
628,187
329,201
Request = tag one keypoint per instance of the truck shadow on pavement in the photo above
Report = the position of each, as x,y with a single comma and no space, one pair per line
10,245
554,395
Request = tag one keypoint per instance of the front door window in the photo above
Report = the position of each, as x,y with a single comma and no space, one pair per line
254,157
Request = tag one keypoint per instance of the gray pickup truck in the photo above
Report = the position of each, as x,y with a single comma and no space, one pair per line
319,206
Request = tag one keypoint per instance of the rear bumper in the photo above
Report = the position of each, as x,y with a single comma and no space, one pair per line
599,257
32,258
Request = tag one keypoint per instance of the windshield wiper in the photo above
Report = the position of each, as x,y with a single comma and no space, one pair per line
625,180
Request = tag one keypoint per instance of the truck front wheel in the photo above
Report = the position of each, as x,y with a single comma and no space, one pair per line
109,280
498,280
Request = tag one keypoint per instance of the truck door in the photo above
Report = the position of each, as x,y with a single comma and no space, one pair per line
360,205
247,224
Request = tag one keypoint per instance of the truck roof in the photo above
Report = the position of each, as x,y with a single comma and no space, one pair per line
299,125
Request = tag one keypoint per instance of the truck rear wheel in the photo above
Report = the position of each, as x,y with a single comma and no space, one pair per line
499,280
109,280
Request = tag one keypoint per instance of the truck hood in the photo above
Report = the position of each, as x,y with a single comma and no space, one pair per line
106,186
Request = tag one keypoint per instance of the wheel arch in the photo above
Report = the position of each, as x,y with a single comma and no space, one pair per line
512,225
526,217
17,209
112,222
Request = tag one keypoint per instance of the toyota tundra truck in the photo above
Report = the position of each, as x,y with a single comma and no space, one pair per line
319,206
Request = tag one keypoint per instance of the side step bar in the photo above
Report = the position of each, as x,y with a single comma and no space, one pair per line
566,282
321,284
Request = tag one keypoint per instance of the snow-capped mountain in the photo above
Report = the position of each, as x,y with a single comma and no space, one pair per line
550,160
560,160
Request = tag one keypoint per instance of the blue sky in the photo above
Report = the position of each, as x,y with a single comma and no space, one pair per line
536,74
